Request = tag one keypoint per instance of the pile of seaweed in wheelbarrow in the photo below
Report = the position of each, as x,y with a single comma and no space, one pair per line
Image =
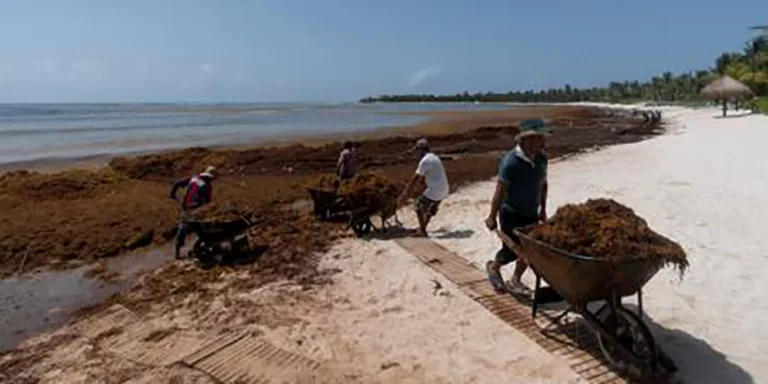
355,200
223,212
369,190
325,182
607,229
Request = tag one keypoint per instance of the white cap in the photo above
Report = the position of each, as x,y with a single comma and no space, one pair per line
421,143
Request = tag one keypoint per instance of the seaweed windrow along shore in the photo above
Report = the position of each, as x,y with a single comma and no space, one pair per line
69,218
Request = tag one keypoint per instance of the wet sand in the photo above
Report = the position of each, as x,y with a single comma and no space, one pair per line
46,301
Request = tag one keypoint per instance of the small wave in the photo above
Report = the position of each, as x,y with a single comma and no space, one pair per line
144,127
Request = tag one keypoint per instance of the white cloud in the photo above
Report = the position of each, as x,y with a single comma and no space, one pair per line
208,68
423,75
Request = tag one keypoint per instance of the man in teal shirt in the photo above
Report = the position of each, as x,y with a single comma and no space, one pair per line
520,199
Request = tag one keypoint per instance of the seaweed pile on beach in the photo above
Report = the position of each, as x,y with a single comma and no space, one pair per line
287,245
70,184
67,230
604,228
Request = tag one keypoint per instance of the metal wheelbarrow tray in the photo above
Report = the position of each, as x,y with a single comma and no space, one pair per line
217,239
624,339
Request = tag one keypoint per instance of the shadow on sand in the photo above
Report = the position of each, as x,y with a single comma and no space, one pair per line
696,360
391,233
249,257
734,116
399,232
442,233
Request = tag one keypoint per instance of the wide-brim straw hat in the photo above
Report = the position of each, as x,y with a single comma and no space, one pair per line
726,87
533,127
208,172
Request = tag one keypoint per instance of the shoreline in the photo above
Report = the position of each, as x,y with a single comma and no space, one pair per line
438,122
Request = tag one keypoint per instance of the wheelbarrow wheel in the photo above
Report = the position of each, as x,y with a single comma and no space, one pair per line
361,225
631,333
204,252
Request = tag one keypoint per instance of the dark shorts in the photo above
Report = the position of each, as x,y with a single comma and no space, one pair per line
181,228
346,176
508,221
427,205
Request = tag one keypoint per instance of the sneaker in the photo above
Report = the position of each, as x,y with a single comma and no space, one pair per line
494,277
518,288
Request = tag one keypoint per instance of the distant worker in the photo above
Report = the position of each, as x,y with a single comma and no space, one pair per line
199,192
346,166
520,199
430,171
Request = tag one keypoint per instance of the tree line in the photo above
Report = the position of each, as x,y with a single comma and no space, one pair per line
750,66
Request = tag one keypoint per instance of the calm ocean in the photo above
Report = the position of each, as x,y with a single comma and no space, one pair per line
30,132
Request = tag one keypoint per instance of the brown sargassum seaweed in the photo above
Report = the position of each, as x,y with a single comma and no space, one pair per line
607,229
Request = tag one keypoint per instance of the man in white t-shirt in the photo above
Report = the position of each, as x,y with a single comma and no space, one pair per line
431,171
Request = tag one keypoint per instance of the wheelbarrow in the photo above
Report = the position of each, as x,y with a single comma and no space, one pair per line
218,240
328,206
622,335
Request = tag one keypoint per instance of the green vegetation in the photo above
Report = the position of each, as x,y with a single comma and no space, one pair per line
759,104
750,66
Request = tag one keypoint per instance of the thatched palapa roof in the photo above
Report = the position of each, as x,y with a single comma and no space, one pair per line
725,87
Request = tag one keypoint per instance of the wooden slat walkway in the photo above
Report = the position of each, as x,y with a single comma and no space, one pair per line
235,357
574,342
247,359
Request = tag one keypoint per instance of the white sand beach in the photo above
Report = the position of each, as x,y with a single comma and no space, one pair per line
394,320
702,184
389,318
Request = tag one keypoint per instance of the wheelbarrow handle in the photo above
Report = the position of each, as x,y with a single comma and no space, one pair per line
511,244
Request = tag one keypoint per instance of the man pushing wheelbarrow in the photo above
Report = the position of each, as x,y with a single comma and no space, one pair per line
199,192
520,199
612,263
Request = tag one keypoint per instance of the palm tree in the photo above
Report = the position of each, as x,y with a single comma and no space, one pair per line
726,59
762,30
742,72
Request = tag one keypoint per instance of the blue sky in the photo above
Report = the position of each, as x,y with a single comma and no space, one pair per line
316,50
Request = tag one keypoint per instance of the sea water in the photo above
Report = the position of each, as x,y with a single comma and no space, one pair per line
33,132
